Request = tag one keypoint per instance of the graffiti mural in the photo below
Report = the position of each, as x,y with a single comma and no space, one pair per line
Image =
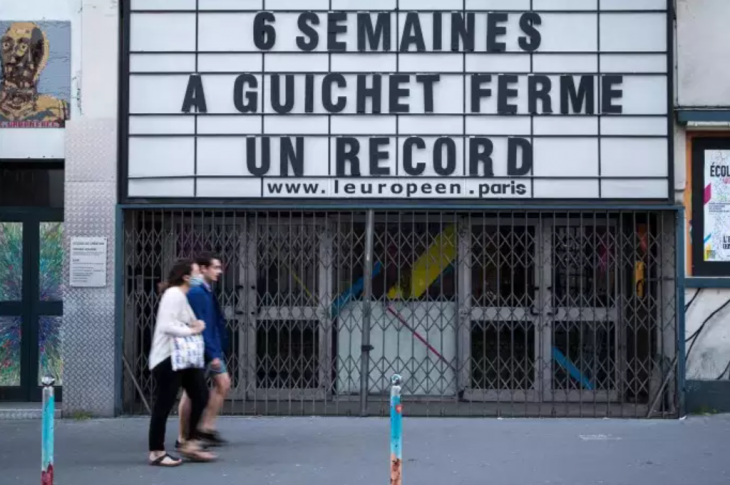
35,74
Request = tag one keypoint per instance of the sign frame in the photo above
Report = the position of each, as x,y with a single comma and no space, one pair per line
124,139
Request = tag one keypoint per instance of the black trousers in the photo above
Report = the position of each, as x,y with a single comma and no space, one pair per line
168,384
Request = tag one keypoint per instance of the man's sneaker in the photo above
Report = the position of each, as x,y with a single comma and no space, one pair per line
212,438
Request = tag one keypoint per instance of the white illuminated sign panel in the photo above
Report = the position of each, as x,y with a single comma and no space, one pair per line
326,99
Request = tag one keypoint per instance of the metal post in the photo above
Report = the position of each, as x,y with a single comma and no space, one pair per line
49,410
366,313
396,431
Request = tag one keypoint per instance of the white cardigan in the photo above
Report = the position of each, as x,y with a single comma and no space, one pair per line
174,317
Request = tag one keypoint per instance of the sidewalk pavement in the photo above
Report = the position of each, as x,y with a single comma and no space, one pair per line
352,451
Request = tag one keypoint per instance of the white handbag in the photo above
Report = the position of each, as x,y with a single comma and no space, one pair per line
188,352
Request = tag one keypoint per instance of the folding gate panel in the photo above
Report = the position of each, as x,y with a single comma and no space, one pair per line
501,329
581,350
565,313
289,330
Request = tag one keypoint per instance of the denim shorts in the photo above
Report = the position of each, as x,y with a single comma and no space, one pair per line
213,372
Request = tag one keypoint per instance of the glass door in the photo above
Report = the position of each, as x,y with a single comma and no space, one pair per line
31,302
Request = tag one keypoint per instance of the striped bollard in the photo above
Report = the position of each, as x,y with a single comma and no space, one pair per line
49,410
396,431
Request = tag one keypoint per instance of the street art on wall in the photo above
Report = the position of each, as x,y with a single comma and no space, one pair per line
35,74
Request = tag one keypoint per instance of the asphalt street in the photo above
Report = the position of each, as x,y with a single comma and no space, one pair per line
350,451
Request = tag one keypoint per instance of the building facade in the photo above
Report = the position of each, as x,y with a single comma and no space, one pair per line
489,198
702,143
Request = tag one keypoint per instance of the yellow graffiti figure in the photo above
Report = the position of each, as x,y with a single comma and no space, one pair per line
24,52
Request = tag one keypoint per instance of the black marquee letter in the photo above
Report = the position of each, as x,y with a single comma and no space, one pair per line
585,94
338,79
462,30
276,103
505,92
376,155
495,30
264,35
251,98
477,92
346,150
438,22
365,30
512,145
289,155
397,92
334,28
412,33
538,88
438,155
309,93
363,93
480,151
427,80
253,169
311,41
533,39
195,95
608,93
408,155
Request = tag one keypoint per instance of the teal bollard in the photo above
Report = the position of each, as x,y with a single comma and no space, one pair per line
49,411
396,431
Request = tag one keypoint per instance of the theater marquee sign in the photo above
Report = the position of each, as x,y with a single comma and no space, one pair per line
398,99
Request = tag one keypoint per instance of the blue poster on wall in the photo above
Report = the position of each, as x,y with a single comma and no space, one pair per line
35,74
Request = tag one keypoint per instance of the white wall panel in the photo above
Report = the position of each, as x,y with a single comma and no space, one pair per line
162,188
641,32
634,189
161,125
625,157
566,189
566,157
162,32
159,157
703,41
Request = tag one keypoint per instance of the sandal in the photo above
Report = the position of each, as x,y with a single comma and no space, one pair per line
196,453
171,463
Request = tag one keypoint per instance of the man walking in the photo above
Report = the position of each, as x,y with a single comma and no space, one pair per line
205,305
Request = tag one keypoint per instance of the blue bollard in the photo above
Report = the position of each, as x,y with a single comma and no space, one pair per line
49,411
396,431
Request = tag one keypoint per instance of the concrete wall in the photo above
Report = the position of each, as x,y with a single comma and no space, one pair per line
703,47
711,353
89,147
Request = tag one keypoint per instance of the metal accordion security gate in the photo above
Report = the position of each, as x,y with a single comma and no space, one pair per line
499,313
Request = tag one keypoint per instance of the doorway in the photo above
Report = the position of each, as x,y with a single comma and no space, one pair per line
542,320
31,279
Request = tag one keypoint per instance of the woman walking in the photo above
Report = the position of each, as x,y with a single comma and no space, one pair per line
176,359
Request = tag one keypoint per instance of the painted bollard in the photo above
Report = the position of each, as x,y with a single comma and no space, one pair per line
396,431
49,410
